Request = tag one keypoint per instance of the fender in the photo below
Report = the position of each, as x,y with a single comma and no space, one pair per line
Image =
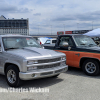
87,58
13,62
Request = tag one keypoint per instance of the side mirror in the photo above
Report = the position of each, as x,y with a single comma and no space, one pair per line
65,44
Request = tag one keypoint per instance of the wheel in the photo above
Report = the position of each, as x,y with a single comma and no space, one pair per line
91,67
12,76
55,76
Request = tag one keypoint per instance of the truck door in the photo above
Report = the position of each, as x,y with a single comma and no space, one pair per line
68,50
77,57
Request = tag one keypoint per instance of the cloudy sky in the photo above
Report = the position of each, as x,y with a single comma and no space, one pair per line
50,16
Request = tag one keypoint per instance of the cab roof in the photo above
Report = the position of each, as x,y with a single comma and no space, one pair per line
71,35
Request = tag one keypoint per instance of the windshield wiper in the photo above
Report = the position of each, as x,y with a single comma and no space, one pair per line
83,44
11,48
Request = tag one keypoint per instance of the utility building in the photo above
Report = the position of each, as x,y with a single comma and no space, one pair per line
14,26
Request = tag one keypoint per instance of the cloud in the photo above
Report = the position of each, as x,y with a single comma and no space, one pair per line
37,14
53,12
14,9
8,9
90,16
64,18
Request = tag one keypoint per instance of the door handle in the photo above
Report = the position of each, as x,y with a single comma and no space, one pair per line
77,54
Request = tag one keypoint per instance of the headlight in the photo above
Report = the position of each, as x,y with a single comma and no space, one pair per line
31,68
63,58
32,62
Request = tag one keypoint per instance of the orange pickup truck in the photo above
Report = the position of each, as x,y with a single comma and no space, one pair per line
81,52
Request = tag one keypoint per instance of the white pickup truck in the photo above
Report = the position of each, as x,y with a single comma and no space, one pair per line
50,42
22,58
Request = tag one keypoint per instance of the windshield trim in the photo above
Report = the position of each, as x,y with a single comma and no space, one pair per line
74,41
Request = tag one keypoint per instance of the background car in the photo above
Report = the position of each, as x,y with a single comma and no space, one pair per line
50,42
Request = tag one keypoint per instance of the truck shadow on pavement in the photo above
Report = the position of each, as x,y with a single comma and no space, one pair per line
79,72
36,83
43,82
46,82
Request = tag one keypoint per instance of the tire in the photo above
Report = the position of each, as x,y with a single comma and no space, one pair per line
12,76
55,76
91,67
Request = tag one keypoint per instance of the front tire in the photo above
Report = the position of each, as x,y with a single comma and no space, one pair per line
91,67
12,76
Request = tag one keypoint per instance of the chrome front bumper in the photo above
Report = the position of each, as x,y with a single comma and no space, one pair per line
42,73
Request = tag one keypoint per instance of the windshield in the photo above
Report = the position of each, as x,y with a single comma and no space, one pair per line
19,42
82,40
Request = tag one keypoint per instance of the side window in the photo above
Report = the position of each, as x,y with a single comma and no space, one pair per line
66,39
53,41
8,43
0,46
47,42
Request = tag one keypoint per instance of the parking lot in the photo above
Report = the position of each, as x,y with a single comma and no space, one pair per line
72,85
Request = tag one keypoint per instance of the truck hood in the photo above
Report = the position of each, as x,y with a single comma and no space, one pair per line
33,52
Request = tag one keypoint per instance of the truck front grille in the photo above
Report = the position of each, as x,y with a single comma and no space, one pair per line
48,66
49,60
47,73
59,71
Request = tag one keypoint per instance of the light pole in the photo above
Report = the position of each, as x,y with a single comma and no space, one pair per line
38,29
51,29
64,28
77,26
92,25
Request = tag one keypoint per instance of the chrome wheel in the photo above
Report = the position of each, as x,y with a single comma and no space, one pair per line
11,76
90,67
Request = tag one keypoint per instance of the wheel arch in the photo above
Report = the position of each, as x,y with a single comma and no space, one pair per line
8,63
85,58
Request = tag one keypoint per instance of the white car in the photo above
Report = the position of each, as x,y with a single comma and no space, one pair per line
50,42
41,40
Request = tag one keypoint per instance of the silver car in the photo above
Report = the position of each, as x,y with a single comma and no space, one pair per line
22,58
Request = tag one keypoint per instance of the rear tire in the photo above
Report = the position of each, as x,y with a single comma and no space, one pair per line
91,67
12,76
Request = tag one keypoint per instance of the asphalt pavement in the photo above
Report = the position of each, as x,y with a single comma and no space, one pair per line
71,85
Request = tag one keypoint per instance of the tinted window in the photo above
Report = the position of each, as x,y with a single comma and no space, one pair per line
66,39
53,41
